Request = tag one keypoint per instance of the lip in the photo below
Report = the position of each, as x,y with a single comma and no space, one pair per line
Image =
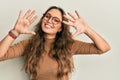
48,26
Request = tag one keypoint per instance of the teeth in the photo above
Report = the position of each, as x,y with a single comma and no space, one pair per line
48,26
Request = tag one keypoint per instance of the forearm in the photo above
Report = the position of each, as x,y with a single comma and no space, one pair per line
5,43
97,39
21,27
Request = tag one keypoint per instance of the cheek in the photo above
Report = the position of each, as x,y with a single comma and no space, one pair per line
59,28
42,24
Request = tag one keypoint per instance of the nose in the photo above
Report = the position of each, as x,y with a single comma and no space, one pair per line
50,20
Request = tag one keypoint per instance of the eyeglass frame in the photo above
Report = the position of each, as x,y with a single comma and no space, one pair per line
53,18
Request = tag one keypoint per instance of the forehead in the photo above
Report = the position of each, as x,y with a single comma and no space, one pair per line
55,13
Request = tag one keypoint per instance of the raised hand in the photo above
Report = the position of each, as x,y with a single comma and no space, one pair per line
23,22
78,23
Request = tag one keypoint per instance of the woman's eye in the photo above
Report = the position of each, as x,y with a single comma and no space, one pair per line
47,16
56,20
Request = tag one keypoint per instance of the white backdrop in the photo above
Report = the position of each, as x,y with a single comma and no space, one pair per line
102,15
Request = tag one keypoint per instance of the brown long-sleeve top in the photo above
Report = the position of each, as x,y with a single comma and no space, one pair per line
47,67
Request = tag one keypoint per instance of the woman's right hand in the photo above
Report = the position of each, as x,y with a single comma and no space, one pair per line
23,22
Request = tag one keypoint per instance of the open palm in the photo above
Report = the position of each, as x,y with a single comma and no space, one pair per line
78,23
23,22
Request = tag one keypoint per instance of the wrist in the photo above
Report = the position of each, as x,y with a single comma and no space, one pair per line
14,34
88,29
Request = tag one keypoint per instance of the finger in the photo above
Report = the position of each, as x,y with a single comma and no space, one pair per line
68,18
31,32
67,23
27,14
20,14
71,15
75,34
77,14
33,19
31,15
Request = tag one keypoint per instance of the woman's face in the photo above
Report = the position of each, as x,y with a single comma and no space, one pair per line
51,23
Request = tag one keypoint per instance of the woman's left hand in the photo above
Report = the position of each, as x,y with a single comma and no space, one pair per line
78,23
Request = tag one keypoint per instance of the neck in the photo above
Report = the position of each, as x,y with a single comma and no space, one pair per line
49,39
50,36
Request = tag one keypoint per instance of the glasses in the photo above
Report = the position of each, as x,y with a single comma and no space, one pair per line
55,20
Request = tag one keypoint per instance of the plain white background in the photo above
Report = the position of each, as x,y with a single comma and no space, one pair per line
102,15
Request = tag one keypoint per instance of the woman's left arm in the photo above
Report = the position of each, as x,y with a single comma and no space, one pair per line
82,27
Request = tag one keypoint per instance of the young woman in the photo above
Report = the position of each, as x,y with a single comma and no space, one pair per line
50,50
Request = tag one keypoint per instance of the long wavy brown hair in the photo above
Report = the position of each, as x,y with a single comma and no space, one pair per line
60,51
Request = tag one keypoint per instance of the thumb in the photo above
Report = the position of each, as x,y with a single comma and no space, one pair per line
31,32
75,34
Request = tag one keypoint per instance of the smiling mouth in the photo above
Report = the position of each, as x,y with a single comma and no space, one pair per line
48,26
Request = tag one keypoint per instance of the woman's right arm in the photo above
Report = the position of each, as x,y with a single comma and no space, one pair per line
4,44
21,27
